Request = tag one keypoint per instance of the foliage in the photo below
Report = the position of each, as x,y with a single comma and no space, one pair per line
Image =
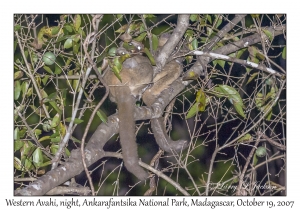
223,110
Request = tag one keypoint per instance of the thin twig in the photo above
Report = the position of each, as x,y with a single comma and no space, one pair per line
158,173
250,156
276,144
96,21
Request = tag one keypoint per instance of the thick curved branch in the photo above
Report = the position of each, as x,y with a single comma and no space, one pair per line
163,140
93,152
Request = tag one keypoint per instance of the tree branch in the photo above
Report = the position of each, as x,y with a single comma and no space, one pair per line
168,48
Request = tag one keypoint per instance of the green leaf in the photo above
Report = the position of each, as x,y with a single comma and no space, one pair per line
240,52
26,151
15,45
134,26
232,95
149,16
34,58
201,100
54,135
18,144
18,164
193,17
120,17
76,47
23,131
195,44
44,138
189,33
269,115
57,70
16,110
54,148
28,165
253,76
77,22
209,18
24,87
48,69
82,33
76,120
47,163
220,20
191,75
260,56
51,97
210,32
220,62
76,38
54,105
63,38
117,63
67,152
255,15
55,30
267,108
18,75
254,162
102,116
56,139
268,33
141,37
68,43
154,41
68,28
17,90
45,79
122,29
17,134
192,111
75,140
284,53
259,100
151,58
112,51
43,93
17,27
246,137
29,92
239,109
55,121
37,157
37,132
248,69
271,94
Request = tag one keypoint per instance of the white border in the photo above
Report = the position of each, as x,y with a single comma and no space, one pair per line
117,6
